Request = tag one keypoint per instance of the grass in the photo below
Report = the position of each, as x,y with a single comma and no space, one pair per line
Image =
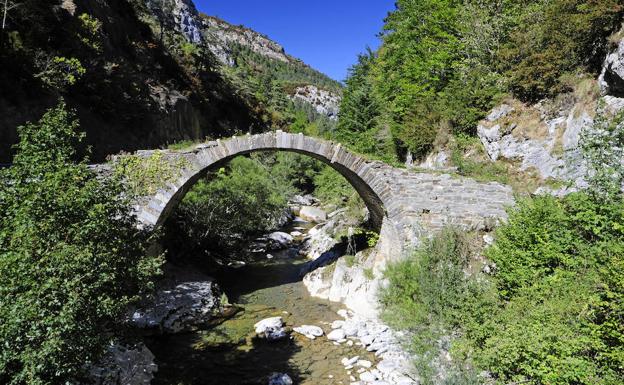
183,145
350,260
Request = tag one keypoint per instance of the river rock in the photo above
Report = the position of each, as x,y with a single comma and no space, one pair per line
313,214
336,335
309,331
124,365
350,361
280,379
180,308
367,377
271,328
280,240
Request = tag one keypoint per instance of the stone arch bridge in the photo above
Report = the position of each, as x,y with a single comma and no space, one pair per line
403,205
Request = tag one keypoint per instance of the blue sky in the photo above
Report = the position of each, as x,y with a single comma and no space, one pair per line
325,34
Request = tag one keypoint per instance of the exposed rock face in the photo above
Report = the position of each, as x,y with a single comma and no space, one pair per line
183,307
186,19
125,365
324,102
612,76
543,142
221,35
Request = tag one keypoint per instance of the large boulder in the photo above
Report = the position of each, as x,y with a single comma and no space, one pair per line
124,365
181,308
612,77
313,214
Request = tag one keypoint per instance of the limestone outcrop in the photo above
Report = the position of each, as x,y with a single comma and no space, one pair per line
324,102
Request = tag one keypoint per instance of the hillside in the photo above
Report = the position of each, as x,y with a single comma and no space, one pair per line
141,76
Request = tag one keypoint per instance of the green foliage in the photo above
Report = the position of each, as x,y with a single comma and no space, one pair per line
90,34
236,202
358,124
603,149
550,314
59,72
143,176
430,295
559,274
553,38
71,257
444,63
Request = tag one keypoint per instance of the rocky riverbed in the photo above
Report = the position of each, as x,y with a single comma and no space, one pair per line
279,333
254,322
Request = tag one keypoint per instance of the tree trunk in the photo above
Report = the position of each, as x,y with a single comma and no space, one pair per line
6,7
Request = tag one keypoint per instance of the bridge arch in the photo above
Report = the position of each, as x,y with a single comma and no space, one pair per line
367,177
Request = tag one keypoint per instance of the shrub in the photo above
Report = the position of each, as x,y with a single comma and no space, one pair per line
430,295
71,257
559,274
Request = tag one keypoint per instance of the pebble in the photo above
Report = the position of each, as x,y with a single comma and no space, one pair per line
350,361
364,363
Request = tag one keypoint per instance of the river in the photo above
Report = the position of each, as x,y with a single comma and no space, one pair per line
231,354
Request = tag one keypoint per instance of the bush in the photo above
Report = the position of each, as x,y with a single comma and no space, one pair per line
559,274
71,257
431,295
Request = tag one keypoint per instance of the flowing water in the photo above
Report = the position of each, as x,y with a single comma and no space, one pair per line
230,353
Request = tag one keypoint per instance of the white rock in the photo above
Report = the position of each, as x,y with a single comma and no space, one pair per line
349,361
336,335
271,328
364,363
182,307
313,214
309,331
337,324
280,240
367,377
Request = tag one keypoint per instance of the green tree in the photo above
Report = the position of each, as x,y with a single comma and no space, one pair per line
71,257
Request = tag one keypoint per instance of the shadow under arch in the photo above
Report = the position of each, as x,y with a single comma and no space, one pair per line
362,174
